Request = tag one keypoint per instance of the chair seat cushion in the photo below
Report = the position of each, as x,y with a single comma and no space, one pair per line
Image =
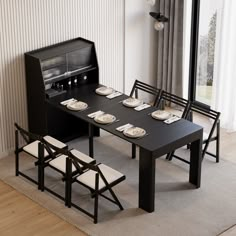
60,163
32,148
88,178
83,157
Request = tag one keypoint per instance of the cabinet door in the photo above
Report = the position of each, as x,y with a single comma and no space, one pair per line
54,68
80,59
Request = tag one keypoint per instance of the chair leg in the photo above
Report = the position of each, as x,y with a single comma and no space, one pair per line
116,199
133,151
170,156
16,153
95,218
68,182
41,167
17,163
68,196
39,177
42,178
218,142
167,156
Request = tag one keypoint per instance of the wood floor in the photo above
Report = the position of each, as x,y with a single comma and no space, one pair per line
21,216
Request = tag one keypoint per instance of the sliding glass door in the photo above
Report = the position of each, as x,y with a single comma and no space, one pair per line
205,17
208,19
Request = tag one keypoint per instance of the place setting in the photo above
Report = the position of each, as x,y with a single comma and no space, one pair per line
132,102
103,118
74,105
164,116
108,92
132,131
135,103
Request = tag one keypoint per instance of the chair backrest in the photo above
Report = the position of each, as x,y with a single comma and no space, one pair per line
80,165
53,150
169,99
138,85
209,113
26,135
87,166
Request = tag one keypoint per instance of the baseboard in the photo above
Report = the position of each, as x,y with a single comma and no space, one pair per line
6,153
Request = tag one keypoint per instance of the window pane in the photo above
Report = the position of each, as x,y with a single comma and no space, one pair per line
206,49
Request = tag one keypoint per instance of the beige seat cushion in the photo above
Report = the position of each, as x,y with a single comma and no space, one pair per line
60,163
32,148
88,178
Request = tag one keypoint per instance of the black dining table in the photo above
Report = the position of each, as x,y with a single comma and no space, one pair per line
162,138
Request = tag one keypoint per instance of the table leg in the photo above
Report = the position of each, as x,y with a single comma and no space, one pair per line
91,129
146,180
195,163
133,151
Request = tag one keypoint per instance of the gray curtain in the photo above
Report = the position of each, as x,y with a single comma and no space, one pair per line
170,47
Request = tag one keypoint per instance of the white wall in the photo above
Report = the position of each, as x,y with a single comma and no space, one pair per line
121,29
30,24
140,46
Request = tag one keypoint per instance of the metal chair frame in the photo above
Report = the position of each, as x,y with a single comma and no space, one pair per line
94,193
54,152
166,97
28,137
214,115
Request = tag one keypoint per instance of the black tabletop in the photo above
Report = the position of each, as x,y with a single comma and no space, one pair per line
161,138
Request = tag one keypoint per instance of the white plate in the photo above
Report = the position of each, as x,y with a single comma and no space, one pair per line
105,119
161,115
77,105
132,102
104,91
134,132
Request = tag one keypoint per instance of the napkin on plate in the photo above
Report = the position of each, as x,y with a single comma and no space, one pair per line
66,102
113,95
94,114
142,107
124,127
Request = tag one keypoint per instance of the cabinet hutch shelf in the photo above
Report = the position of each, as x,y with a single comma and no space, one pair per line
52,71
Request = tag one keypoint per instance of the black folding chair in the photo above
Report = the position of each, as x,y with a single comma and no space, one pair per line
96,178
212,135
58,163
146,88
174,103
141,86
31,146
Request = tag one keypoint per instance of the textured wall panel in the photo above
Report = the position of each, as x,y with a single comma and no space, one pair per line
26,25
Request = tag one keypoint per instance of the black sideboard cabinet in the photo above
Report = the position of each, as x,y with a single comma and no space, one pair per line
52,71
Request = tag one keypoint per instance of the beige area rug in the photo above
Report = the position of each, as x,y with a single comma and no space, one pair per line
180,209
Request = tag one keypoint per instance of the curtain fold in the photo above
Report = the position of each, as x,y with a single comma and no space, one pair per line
224,82
170,47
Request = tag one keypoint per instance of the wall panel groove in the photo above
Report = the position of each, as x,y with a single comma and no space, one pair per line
26,25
